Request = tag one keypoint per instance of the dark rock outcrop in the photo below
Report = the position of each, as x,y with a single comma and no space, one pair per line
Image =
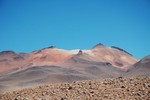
9,52
121,50
80,52
51,47
98,45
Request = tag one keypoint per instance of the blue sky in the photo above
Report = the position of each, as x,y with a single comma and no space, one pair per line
27,25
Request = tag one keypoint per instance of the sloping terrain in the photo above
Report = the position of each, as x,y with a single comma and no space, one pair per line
141,68
76,68
10,60
52,65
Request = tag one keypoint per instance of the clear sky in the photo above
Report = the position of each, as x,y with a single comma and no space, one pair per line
27,25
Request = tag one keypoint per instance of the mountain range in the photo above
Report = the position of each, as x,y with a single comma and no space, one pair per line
53,65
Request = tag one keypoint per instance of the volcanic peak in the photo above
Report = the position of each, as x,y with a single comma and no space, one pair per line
51,47
8,52
99,45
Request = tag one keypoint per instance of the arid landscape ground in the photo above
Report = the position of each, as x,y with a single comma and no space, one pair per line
99,73
137,88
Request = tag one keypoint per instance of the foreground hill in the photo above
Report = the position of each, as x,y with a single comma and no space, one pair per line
136,88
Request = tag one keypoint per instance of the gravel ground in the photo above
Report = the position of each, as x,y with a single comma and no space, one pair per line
108,89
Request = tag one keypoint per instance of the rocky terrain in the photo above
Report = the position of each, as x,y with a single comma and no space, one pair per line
136,88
